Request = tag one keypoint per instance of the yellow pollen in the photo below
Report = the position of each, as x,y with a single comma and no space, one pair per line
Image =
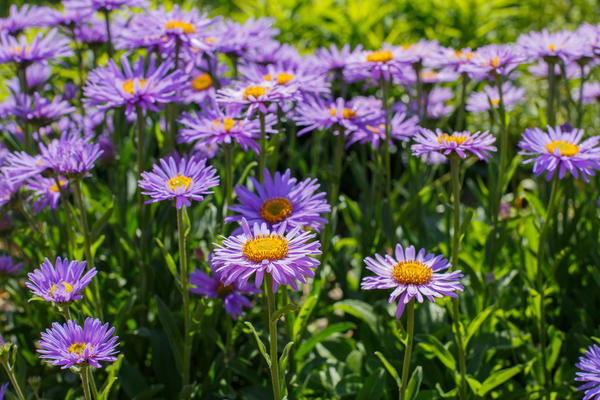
202,82
68,288
254,91
375,129
39,161
495,62
223,290
210,40
347,113
445,138
18,49
77,348
551,47
566,149
276,210
179,181
228,123
186,26
412,273
284,78
429,75
54,188
128,85
265,247
380,56
495,102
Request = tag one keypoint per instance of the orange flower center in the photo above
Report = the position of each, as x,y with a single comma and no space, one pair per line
495,102
429,75
179,181
77,348
186,26
566,149
54,188
265,247
254,91
445,138
129,84
228,123
276,210
380,56
68,288
551,47
495,62
202,82
346,114
412,273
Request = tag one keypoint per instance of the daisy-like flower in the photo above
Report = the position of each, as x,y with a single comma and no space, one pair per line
335,60
41,48
378,64
25,17
45,192
480,144
286,257
411,276
201,86
71,155
480,101
255,96
40,111
69,344
235,39
21,166
60,283
589,372
455,59
591,92
560,151
401,127
232,294
3,390
494,60
108,5
8,266
564,45
179,178
109,87
281,200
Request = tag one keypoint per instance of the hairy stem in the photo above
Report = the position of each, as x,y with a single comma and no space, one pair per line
183,269
272,337
13,379
410,328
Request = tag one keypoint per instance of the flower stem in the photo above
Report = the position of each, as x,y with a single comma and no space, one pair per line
141,218
540,276
228,149
262,158
13,379
85,383
339,151
580,100
550,117
67,211
385,148
109,47
92,384
460,118
183,270
272,337
22,74
410,328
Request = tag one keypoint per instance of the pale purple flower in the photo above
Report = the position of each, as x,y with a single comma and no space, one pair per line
480,101
60,283
480,144
43,47
589,373
8,266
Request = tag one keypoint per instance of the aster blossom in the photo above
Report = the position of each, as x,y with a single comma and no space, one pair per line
401,127
492,60
478,143
562,151
46,192
561,45
70,344
70,155
260,250
412,275
281,200
8,266
42,47
256,96
38,110
61,282
179,178
25,17
589,372
480,101
378,64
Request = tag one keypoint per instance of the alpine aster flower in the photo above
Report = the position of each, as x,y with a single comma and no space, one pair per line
3,390
589,366
564,45
411,276
557,150
8,266
235,39
401,128
109,87
480,144
27,16
179,178
494,60
20,166
480,101
281,200
41,48
255,96
45,192
262,250
378,64
60,283
40,111
69,344
71,155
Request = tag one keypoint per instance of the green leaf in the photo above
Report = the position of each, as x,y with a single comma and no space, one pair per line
435,348
414,383
99,224
373,387
186,223
245,173
498,378
283,360
170,262
319,337
477,322
259,343
167,319
360,310
303,315
390,369
96,245
284,310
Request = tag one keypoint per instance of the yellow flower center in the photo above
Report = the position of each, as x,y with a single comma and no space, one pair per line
254,91
346,114
186,26
412,273
128,85
551,47
459,55
429,75
445,138
77,348
380,56
265,247
276,210
179,181
202,82
375,129
228,123
223,290
54,188
210,40
284,78
68,288
495,102
495,62
18,49
566,149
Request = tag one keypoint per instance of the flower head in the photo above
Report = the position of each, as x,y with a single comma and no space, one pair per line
401,127
69,344
38,110
480,101
46,192
563,151
287,257
411,276
281,200
562,45
41,48
494,60
179,178
255,96
71,155
378,64
480,144
589,372
25,17
8,266
60,283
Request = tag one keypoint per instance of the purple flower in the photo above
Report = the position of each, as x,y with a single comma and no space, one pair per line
36,75
563,45
408,76
591,92
3,390
200,85
60,283
42,47
261,250
255,96
45,192
455,59
480,101
27,16
8,266
232,294
494,60
589,366
270,51
557,150
179,178
93,32
411,276
71,155
480,144
109,5
335,60
234,39
20,166
378,64
109,87
7,189
73,14
38,110
282,200
69,344
401,128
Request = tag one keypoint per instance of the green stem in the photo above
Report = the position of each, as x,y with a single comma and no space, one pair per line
550,115
228,149
580,100
22,73
460,118
262,158
183,270
339,151
144,274
13,379
272,337
64,310
85,383
388,136
140,141
410,328
540,276
87,242
67,211
93,384
417,67
108,35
